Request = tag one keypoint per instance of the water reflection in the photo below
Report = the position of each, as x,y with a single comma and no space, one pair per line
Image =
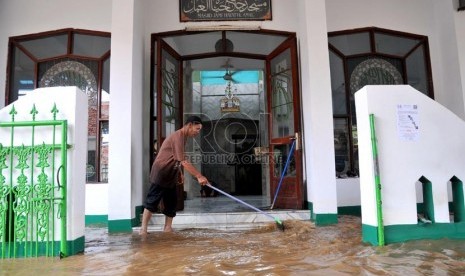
302,249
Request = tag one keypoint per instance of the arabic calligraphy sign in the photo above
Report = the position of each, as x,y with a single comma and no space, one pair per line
220,10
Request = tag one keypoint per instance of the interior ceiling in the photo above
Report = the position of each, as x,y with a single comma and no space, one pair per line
227,47
218,63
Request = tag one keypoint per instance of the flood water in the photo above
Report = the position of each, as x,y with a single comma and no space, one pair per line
302,249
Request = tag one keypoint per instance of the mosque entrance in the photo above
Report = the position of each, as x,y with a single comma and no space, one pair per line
244,85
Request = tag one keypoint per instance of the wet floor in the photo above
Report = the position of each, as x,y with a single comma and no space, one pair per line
302,249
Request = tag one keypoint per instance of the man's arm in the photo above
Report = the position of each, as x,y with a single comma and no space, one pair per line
194,172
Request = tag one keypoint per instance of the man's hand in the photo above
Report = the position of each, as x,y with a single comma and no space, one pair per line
202,180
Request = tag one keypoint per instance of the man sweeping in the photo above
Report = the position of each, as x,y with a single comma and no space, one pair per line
166,172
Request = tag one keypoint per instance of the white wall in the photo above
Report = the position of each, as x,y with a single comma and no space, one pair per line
348,191
96,199
436,152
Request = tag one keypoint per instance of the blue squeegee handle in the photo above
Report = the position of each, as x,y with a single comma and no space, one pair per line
283,173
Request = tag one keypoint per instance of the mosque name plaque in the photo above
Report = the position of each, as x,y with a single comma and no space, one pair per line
222,10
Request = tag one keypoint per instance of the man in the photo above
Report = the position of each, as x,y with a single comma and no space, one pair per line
166,171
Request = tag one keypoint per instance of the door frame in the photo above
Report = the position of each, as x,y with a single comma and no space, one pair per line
287,196
156,58
289,42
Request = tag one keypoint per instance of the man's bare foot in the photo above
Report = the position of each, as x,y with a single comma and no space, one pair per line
168,229
143,232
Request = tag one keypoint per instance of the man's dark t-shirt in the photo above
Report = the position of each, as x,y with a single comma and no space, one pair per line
167,165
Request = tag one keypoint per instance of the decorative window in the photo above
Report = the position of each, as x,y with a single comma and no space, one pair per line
68,57
370,56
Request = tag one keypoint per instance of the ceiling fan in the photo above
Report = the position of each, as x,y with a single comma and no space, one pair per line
220,76
228,75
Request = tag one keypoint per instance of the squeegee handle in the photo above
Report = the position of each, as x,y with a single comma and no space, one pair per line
240,201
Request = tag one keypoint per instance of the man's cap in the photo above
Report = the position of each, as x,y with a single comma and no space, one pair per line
193,119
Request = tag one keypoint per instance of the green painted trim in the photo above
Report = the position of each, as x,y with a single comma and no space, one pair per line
350,210
138,211
342,210
458,204
428,203
121,225
402,233
38,249
96,219
321,219
370,234
324,219
76,246
103,219
420,208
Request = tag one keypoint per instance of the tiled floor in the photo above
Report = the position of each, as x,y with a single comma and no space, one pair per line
224,213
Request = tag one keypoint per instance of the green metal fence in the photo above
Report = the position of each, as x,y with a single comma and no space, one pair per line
33,186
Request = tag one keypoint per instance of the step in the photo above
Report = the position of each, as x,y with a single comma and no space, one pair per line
226,220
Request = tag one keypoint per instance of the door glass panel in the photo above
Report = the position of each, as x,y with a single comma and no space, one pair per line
394,45
374,70
154,103
22,80
105,96
355,147
280,156
268,42
416,68
170,93
104,143
341,146
47,47
351,44
282,95
197,43
90,45
91,175
71,72
338,85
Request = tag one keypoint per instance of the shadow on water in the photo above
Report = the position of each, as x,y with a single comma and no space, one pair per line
302,249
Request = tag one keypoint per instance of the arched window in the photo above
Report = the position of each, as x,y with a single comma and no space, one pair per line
366,56
68,57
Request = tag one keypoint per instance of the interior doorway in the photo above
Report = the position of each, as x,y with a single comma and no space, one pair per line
248,170
244,85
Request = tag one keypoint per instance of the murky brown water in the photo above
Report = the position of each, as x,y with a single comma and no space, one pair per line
301,249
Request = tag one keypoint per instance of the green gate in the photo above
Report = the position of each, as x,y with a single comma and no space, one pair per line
33,186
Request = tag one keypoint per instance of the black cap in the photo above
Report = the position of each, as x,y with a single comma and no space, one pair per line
193,119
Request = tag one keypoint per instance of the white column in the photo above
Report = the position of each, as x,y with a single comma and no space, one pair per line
125,157
459,18
317,118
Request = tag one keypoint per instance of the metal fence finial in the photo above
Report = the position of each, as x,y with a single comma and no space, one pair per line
34,112
54,111
13,113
